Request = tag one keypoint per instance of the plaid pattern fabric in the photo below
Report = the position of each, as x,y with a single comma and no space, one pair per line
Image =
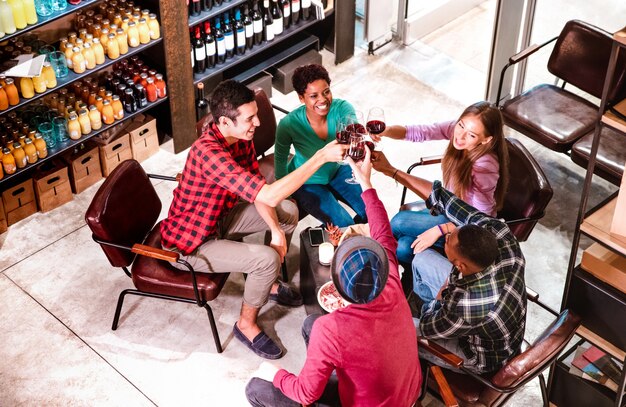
486,310
359,276
215,177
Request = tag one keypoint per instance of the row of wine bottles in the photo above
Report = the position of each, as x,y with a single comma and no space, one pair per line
241,28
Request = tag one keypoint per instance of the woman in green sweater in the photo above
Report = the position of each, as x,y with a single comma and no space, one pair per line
309,128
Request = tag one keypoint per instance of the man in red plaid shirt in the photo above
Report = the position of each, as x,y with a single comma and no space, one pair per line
222,197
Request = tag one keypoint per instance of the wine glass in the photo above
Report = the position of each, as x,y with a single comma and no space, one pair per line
375,122
356,151
343,134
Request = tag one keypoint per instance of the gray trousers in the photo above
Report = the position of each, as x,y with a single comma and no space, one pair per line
227,255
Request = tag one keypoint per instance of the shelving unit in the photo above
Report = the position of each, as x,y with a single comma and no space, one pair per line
597,295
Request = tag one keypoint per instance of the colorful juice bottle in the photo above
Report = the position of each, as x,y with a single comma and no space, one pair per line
8,161
40,145
19,17
11,91
48,75
94,118
31,151
26,88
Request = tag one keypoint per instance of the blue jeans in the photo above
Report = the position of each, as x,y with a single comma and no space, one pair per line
322,201
261,393
407,225
430,271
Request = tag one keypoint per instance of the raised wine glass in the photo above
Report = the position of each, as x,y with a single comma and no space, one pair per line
343,134
356,151
375,122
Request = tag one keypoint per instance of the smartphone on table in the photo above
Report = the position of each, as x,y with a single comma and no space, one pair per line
316,236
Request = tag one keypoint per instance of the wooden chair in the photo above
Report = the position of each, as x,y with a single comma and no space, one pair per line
553,115
122,217
470,389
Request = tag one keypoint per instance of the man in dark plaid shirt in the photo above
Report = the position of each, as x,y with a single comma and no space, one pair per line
480,314
222,197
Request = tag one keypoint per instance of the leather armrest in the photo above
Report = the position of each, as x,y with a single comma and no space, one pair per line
441,352
155,253
528,51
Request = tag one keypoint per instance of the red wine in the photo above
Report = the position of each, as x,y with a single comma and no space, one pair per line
370,145
355,128
375,126
357,152
343,137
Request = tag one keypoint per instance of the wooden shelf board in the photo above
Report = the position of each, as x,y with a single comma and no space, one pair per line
620,36
598,224
600,342
606,265
611,119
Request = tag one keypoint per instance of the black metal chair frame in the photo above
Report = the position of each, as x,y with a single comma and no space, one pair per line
532,296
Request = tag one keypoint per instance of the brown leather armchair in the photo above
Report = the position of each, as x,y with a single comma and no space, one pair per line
553,115
122,217
469,389
528,194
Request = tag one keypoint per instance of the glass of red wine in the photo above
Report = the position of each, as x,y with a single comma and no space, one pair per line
375,122
356,151
343,134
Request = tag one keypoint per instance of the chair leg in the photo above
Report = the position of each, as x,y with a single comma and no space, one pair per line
544,390
118,309
216,335
283,268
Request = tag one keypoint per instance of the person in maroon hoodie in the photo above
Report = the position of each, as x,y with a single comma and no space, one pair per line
352,353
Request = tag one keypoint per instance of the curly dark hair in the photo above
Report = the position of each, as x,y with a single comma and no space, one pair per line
227,97
305,74
477,245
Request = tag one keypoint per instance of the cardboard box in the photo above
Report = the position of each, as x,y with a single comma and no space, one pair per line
3,219
283,74
144,139
605,265
84,167
52,186
112,154
19,202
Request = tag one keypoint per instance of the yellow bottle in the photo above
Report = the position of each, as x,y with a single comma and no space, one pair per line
98,51
29,11
48,75
122,41
107,113
19,155
104,38
31,151
69,52
73,127
133,35
27,88
118,108
19,17
94,118
39,83
40,145
8,161
155,28
113,48
83,120
90,56
144,31
78,61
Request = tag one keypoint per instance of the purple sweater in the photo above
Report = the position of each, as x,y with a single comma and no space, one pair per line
372,347
485,172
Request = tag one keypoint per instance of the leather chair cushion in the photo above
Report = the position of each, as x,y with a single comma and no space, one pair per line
611,154
265,134
157,276
123,211
553,117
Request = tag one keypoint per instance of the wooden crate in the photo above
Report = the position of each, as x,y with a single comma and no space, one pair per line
52,187
84,167
112,154
19,202
144,139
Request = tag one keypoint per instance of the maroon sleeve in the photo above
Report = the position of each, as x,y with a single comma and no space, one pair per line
380,229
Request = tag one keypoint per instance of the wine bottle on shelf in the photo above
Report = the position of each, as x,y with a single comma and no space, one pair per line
286,4
240,33
306,9
277,15
199,51
257,23
209,46
193,58
196,8
206,5
202,105
229,35
248,28
220,42
268,22
295,11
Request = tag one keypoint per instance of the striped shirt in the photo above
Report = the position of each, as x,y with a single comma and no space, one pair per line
486,311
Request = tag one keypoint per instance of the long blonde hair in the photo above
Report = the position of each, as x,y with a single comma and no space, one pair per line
457,164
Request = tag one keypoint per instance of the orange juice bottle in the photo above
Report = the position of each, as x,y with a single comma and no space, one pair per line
118,108
113,47
144,31
19,155
133,35
94,118
99,103
90,56
31,151
122,41
98,51
155,28
78,61
40,145
83,120
4,100
26,87
39,84
11,91
48,75
107,112
8,161
73,127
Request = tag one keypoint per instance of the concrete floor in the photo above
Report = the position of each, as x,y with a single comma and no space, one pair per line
58,292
